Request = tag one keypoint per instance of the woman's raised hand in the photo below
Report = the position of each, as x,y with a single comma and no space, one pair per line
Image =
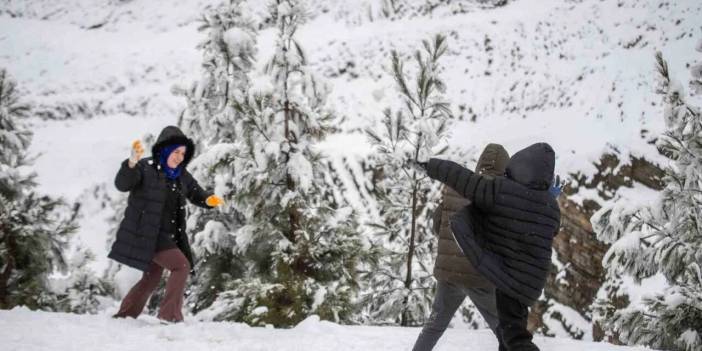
136,153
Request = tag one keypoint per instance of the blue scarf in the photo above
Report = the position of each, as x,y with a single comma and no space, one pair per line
171,173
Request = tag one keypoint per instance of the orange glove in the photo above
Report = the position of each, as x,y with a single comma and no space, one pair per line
136,153
214,201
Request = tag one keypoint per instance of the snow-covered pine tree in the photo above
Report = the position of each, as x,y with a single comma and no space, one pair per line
661,238
228,55
213,122
401,279
302,245
295,256
33,228
81,291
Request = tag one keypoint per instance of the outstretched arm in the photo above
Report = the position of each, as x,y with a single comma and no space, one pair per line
198,196
480,190
195,193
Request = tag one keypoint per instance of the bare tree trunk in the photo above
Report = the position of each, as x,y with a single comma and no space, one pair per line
413,234
410,256
293,215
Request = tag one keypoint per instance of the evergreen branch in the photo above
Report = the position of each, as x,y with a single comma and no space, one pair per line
300,52
400,78
662,67
375,138
252,121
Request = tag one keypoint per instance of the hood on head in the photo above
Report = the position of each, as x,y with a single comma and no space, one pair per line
533,166
493,160
173,135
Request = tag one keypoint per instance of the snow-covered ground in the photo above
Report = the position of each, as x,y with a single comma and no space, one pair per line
24,330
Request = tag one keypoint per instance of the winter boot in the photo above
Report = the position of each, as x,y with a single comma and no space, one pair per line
512,326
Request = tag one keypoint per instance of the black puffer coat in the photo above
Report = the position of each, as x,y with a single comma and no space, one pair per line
135,245
507,231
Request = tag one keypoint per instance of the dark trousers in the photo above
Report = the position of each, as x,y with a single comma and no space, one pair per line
512,326
172,303
448,299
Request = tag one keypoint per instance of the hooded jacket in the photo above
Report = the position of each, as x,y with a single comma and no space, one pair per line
451,265
137,236
507,231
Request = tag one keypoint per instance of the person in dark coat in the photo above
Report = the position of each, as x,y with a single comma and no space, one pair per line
152,234
507,231
455,275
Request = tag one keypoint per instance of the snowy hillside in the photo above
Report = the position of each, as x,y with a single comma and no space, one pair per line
23,330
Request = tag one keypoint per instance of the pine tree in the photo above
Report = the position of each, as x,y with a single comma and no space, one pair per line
663,238
228,55
291,250
213,122
402,280
303,242
81,291
33,228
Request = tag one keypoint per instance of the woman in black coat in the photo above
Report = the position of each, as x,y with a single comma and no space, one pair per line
152,234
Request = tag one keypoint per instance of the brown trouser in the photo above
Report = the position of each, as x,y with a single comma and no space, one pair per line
172,303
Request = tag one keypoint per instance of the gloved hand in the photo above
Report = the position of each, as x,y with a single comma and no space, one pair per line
136,153
420,167
214,201
556,186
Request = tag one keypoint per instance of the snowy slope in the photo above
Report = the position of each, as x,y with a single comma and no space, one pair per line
564,72
24,330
